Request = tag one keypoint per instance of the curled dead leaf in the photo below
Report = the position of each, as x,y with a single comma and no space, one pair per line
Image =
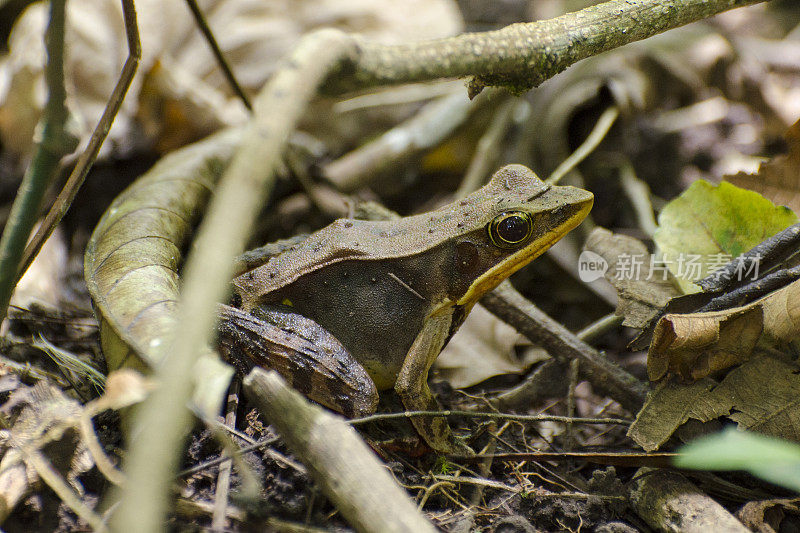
697,345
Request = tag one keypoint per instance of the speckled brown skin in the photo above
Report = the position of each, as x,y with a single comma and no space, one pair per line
393,292
312,359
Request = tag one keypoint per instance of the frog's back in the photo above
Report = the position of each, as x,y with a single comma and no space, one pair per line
365,240
372,284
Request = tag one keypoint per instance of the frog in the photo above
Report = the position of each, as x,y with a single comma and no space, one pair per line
362,306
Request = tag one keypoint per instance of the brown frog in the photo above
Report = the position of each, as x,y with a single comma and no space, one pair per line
389,294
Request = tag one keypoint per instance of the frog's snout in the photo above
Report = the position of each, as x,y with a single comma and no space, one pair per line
570,204
584,202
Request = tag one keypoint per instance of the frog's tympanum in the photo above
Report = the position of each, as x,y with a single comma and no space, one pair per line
389,294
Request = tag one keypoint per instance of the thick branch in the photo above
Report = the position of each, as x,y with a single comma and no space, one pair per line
521,56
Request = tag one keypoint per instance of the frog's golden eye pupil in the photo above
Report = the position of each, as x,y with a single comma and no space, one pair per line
510,229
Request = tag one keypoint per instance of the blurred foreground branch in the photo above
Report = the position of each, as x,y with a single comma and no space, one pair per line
163,420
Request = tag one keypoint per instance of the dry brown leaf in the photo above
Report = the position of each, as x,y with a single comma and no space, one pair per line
698,344
640,298
779,178
762,395
669,406
482,348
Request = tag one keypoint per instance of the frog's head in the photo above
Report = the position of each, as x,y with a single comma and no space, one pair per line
514,219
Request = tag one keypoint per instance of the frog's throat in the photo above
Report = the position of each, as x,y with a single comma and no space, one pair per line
490,279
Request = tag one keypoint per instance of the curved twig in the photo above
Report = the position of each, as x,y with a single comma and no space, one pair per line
87,158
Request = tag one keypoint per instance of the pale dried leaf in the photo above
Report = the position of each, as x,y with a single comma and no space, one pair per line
667,407
482,348
779,178
762,395
642,292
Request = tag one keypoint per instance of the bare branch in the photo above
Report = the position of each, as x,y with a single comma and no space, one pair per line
521,56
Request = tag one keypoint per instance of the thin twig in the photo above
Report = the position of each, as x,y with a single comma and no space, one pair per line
218,55
53,142
766,255
219,460
101,460
433,123
224,475
606,377
638,193
569,430
87,158
600,326
498,416
595,137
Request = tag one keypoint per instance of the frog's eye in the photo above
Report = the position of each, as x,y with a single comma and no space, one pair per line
509,230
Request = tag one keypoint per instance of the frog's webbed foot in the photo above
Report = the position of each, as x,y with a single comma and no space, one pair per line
300,350
412,386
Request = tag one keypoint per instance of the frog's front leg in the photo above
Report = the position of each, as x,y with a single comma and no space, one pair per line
412,383
300,350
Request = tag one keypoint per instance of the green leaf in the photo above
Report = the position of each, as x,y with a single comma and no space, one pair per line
771,459
713,224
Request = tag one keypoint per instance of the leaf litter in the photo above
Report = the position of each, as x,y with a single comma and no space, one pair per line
639,79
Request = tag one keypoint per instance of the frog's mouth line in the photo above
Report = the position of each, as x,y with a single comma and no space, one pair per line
490,279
